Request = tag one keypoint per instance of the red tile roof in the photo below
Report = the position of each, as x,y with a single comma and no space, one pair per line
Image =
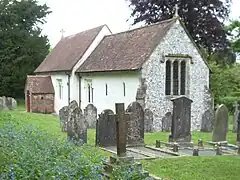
127,50
68,51
39,84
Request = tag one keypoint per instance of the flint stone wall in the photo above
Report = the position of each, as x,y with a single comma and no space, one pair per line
176,41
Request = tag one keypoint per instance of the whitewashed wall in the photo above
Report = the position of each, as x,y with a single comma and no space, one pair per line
114,83
175,42
74,81
59,103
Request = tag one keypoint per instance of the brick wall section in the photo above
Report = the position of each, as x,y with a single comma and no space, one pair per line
42,103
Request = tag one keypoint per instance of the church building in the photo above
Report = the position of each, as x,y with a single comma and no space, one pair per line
150,64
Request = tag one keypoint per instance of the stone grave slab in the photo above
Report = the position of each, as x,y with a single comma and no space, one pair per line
135,124
106,129
181,121
220,127
90,113
235,116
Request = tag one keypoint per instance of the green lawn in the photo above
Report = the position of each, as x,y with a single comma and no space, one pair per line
179,168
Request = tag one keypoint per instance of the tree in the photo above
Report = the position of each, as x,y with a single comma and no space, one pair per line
22,47
203,18
234,33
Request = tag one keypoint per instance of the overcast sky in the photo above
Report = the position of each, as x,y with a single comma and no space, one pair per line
77,15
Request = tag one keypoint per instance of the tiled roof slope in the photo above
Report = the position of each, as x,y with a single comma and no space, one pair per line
68,51
39,84
127,50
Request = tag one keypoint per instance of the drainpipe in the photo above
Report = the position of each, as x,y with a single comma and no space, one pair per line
69,90
80,86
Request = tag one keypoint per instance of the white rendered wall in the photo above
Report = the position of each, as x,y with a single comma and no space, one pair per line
59,103
74,81
115,90
175,42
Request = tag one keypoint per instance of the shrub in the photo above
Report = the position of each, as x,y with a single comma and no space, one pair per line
29,153
128,172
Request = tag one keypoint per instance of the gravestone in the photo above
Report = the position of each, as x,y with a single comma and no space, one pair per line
90,113
148,120
207,121
106,129
208,115
235,116
220,127
167,122
141,93
63,116
181,120
76,127
121,129
135,125
3,103
238,130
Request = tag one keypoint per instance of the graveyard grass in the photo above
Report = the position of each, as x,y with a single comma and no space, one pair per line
175,168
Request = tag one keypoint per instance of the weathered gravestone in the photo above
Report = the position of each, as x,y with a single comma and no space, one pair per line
141,93
238,130
11,103
106,129
63,116
167,122
208,115
76,127
121,129
220,126
135,125
235,116
3,103
90,113
148,120
207,121
181,120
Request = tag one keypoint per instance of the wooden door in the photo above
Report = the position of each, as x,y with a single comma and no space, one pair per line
28,101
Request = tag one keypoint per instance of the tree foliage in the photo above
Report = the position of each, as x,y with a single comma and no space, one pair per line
203,18
22,47
234,33
225,82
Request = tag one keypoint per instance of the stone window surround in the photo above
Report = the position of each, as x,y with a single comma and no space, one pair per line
89,92
60,88
180,58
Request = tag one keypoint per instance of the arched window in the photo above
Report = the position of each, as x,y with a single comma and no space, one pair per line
124,89
183,77
175,78
168,78
89,93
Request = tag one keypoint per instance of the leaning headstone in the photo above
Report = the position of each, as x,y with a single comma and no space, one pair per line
220,127
63,116
181,120
148,120
106,129
135,125
167,122
76,127
90,113
235,116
